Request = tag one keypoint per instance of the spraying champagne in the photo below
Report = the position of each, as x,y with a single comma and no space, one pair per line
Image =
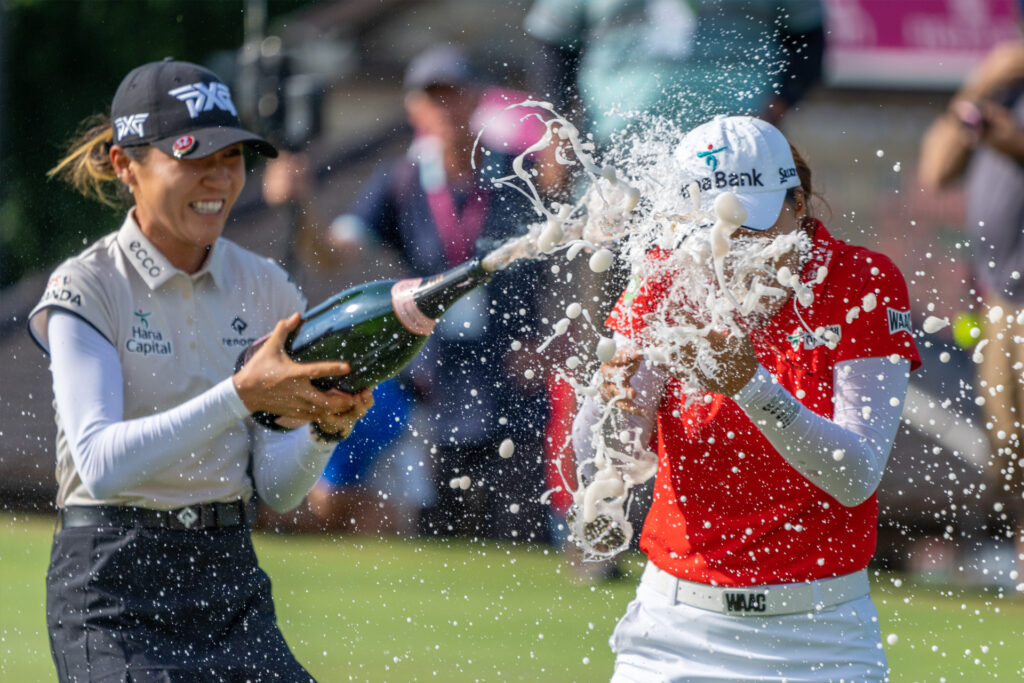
377,327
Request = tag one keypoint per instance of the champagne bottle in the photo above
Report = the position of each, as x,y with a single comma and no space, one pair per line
377,327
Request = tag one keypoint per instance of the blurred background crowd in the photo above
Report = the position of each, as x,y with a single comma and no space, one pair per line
379,102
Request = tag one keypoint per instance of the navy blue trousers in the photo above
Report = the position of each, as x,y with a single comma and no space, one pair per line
147,604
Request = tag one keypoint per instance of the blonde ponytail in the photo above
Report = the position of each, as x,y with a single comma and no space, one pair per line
87,167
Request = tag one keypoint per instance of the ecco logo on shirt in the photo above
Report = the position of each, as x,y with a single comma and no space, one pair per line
720,179
745,601
141,255
899,321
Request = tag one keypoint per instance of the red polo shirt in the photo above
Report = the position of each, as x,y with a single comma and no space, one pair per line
728,509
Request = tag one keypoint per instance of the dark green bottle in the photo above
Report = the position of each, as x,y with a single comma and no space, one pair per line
377,327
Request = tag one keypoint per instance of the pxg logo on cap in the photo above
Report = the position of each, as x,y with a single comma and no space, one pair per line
181,109
743,155
201,97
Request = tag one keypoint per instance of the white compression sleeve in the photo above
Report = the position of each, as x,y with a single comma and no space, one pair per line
112,454
286,465
845,457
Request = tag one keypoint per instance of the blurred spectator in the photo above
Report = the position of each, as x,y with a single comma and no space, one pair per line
688,59
980,138
436,211
371,483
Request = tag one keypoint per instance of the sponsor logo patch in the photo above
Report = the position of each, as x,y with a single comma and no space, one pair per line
709,156
239,326
721,179
188,517
57,291
146,341
783,407
899,321
786,173
201,97
745,601
142,256
831,333
133,124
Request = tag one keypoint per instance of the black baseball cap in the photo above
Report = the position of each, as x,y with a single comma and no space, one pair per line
180,108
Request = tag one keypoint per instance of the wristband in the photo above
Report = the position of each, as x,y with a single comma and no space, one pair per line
320,436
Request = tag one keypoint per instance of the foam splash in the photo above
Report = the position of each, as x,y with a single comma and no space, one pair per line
713,277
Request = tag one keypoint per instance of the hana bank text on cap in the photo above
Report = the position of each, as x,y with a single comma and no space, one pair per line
180,108
743,155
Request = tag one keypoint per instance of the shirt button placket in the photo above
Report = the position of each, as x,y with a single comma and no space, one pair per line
190,316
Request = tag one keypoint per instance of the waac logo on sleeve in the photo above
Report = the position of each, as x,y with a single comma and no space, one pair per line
899,321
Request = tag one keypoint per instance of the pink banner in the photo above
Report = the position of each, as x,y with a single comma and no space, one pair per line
913,43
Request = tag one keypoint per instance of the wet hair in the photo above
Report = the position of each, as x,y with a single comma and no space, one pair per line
86,165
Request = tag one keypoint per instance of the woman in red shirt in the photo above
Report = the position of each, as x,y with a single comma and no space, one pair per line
764,512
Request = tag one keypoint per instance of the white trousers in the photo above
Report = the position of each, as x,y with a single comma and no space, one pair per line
658,641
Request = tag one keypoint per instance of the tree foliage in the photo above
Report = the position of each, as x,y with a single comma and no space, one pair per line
62,62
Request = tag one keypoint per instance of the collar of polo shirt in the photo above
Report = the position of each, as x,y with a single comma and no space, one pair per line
152,266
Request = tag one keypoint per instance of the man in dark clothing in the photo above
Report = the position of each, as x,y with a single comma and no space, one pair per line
434,210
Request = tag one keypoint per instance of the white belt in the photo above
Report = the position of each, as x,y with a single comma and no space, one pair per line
759,601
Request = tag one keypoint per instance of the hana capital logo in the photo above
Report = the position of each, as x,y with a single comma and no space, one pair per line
709,156
146,341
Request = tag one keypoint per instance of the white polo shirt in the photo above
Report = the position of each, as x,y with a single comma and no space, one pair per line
176,335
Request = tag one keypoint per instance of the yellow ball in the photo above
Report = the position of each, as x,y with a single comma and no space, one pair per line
967,329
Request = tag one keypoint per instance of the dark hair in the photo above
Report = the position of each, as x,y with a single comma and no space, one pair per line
86,165
803,172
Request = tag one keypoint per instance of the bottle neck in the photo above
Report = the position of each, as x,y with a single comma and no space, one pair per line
437,293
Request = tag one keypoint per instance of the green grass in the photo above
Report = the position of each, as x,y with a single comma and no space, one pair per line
386,610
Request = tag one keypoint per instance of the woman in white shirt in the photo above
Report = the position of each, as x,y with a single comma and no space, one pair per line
153,575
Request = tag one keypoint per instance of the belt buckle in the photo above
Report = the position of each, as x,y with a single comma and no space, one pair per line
744,602
187,516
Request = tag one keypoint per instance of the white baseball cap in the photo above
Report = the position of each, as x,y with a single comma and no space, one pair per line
743,155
